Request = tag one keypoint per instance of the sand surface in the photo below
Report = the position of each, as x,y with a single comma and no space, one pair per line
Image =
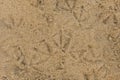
59,39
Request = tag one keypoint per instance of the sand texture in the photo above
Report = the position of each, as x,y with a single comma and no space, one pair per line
59,39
